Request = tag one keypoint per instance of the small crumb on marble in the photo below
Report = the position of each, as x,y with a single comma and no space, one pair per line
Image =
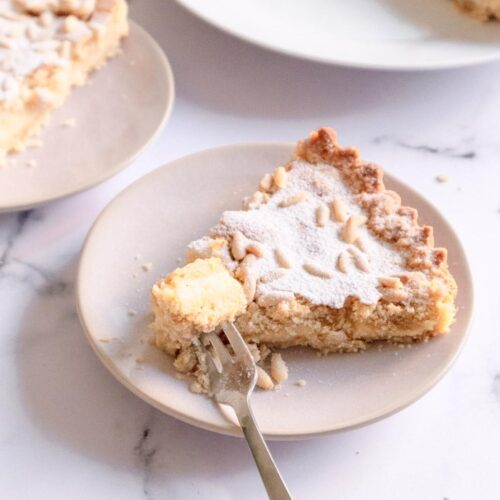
34,142
134,275
196,387
132,312
301,383
69,123
31,163
442,178
277,387
147,266
105,340
138,257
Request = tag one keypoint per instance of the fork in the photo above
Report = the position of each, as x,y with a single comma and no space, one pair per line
232,380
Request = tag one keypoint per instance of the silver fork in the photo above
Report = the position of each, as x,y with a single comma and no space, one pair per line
232,380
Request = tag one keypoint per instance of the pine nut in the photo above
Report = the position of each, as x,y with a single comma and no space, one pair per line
394,294
342,262
350,228
390,282
339,210
249,287
266,182
279,370
238,245
282,259
360,243
255,248
280,177
360,260
322,215
264,381
293,200
317,270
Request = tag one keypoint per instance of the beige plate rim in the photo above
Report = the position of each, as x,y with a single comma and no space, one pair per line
98,179
387,411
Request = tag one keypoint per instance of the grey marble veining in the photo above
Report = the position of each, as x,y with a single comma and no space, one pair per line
464,151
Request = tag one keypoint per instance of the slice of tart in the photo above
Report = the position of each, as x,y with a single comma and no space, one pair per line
484,10
46,47
322,255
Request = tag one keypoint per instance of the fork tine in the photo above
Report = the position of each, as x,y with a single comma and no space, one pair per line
235,339
219,348
212,365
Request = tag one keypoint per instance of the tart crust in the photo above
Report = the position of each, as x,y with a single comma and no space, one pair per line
483,10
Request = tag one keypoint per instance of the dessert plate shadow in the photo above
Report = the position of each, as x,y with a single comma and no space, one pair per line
379,34
120,111
142,235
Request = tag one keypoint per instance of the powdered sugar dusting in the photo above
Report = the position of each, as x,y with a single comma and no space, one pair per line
294,231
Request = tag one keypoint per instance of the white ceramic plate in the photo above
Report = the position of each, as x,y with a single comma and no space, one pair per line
122,109
154,219
378,34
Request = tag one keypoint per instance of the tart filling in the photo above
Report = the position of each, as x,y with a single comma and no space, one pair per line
324,257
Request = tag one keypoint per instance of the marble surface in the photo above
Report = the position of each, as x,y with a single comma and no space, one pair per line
69,430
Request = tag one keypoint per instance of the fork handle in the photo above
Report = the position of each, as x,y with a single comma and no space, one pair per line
273,482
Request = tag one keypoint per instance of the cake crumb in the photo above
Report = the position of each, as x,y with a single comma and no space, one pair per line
105,340
138,257
279,369
442,178
31,163
34,142
277,387
301,383
134,275
132,312
147,266
69,122
196,387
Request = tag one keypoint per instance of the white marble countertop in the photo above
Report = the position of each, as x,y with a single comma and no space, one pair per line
69,430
